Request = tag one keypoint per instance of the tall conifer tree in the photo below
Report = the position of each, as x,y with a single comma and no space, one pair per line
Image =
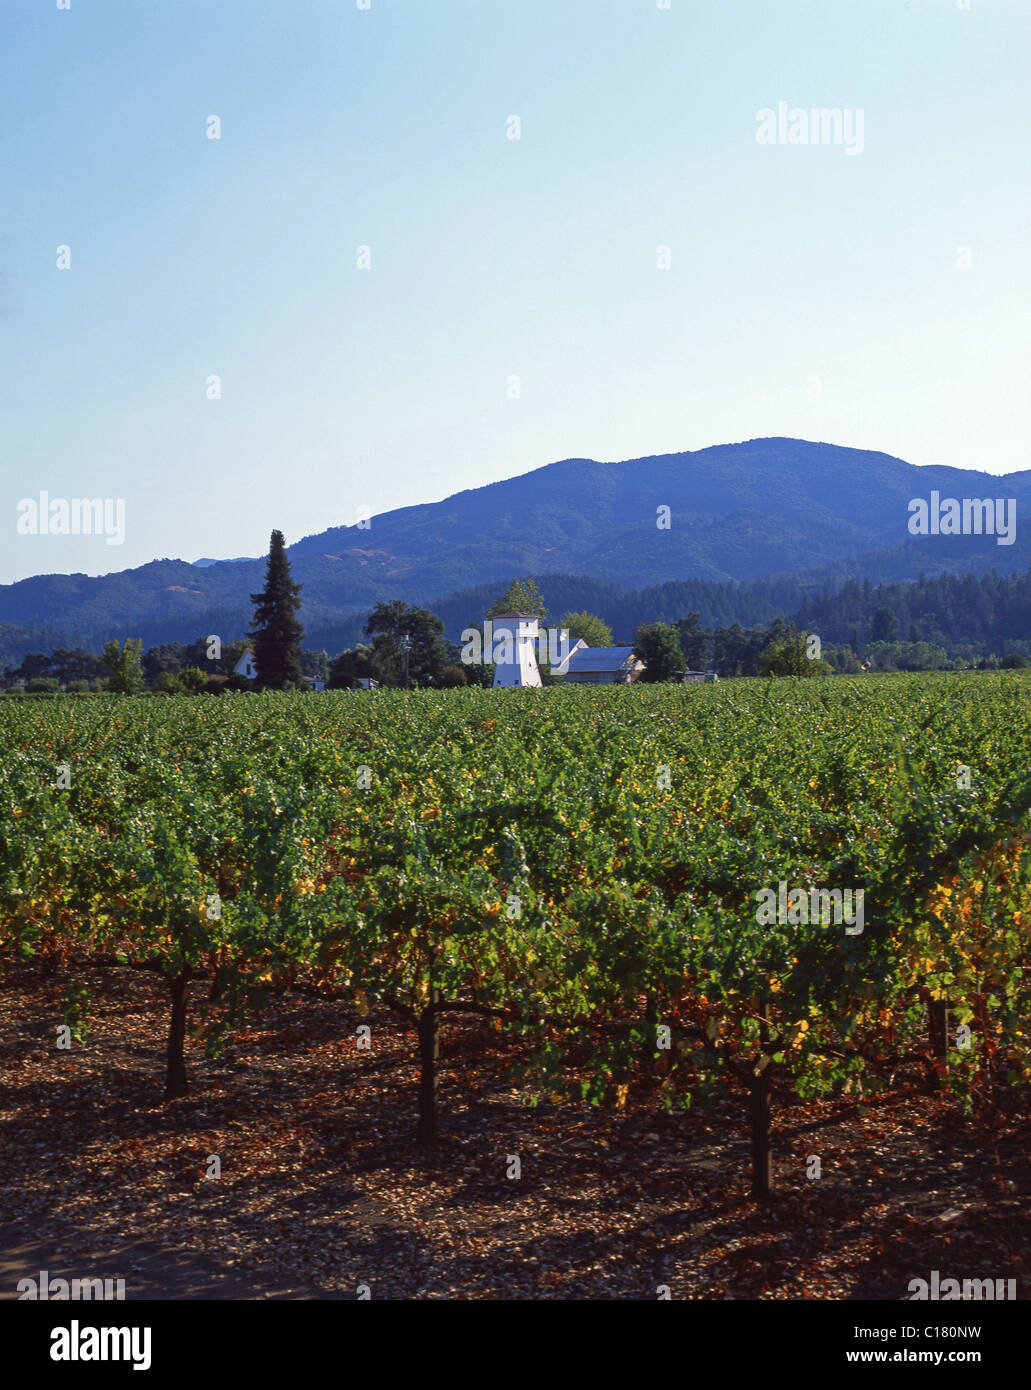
276,634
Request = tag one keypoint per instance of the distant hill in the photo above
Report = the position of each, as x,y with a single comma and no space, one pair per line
739,513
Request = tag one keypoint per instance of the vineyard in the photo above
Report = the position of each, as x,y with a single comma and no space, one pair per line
579,872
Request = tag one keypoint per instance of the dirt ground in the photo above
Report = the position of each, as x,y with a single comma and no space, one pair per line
323,1191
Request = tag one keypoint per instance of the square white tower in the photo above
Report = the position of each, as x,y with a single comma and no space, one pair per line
513,638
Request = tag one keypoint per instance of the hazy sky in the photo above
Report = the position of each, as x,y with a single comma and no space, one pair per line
811,291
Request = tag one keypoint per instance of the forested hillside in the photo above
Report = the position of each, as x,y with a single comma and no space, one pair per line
714,532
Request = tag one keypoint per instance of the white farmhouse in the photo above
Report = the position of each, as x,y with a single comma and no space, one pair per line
514,637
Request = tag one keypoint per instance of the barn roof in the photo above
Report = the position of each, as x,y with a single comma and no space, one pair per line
600,659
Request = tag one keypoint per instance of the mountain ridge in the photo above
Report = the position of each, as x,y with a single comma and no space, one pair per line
739,513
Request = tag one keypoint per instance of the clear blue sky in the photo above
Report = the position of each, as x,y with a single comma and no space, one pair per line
491,257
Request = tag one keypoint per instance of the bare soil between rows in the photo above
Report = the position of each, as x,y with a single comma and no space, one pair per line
323,1193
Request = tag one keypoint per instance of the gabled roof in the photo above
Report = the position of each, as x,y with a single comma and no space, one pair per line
561,667
601,659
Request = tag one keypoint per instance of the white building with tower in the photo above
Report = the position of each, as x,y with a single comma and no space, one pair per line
514,637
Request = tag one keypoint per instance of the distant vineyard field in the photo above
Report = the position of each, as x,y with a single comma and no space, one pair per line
679,890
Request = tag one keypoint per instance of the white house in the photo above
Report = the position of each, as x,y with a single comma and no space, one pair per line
245,666
514,636
698,677
603,666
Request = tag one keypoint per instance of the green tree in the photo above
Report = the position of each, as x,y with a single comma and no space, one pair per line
843,659
33,665
198,654
921,656
785,655
165,658
350,666
193,680
521,596
587,628
658,646
276,634
396,628
63,666
479,673
124,666
452,676
885,626
315,664
693,642
231,654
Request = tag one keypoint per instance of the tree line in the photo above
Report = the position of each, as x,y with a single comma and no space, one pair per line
948,621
